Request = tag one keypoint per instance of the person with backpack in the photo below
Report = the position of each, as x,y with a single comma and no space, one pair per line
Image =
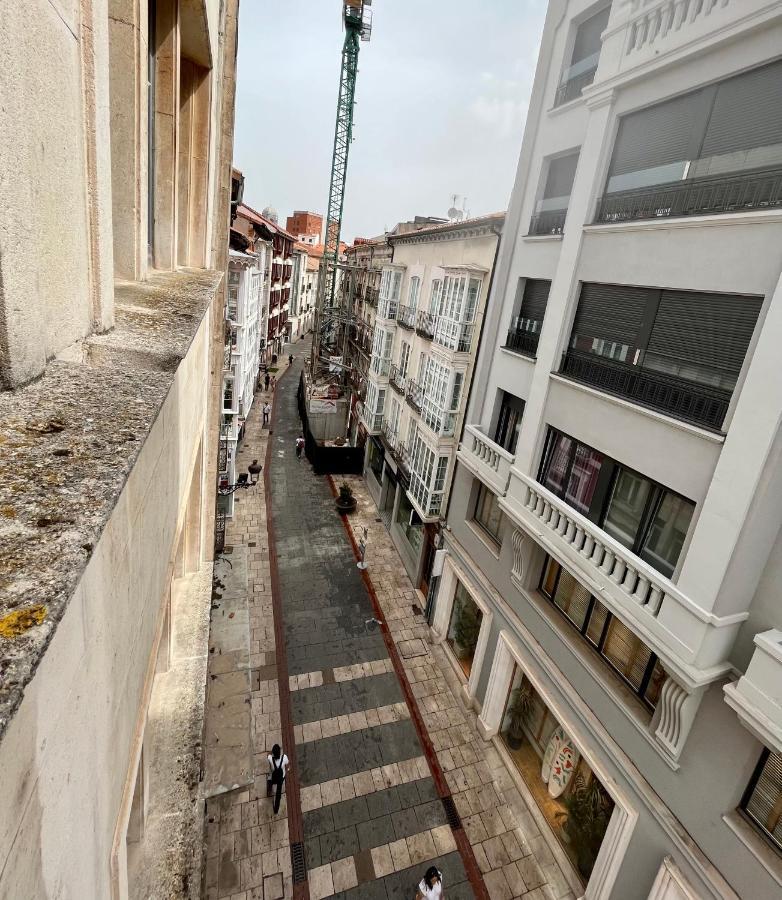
278,767
431,885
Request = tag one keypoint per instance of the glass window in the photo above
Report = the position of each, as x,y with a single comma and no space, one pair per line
464,628
488,513
509,422
626,652
572,598
626,507
409,523
375,459
666,534
763,801
558,463
583,478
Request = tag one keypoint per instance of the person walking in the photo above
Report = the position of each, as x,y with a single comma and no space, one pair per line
290,359
267,411
431,885
274,382
299,446
278,768
255,470
266,379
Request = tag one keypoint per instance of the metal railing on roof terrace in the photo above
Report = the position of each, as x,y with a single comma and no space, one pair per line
548,222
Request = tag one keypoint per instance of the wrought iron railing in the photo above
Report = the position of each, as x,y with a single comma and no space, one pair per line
402,457
689,401
415,394
425,324
524,342
572,88
761,189
220,531
550,221
388,434
398,380
406,316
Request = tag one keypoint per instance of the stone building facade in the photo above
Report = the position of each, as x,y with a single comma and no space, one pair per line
111,347
610,589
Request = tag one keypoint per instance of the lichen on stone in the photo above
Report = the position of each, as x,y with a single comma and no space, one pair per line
17,623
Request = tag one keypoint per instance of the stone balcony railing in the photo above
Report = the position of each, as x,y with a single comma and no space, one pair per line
693,641
485,459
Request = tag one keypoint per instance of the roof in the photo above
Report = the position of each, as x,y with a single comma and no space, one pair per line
450,226
299,245
253,215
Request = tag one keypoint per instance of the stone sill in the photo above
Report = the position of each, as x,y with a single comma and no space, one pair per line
68,443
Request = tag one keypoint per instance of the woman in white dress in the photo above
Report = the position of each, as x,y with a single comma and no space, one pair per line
431,885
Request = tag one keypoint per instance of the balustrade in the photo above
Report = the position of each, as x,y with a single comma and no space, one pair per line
486,459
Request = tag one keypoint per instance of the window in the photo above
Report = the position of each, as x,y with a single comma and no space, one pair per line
404,358
436,297
551,209
678,351
530,305
717,149
762,802
410,523
413,291
488,513
458,307
506,433
583,61
614,641
644,516
464,628
375,459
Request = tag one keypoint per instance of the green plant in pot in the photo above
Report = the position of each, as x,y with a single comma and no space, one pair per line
589,809
467,626
346,502
519,711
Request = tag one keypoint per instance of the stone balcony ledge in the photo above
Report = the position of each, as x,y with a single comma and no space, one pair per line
68,442
486,459
757,696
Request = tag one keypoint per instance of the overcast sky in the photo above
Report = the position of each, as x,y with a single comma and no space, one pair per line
442,94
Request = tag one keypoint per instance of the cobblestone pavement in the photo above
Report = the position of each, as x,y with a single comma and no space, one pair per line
366,787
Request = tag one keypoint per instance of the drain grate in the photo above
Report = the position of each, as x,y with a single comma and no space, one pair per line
297,862
451,812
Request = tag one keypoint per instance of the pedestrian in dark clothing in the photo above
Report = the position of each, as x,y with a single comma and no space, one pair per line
299,446
267,411
255,470
266,379
290,359
278,767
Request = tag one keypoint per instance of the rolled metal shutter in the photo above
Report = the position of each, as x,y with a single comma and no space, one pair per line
613,312
747,113
534,299
704,329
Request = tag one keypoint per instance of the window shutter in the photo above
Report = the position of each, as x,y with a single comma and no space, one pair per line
611,312
534,299
588,41
657,136
747,113
626,652
765,801
572,598
561,173
702,329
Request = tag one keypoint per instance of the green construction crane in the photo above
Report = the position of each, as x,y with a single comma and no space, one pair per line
357,18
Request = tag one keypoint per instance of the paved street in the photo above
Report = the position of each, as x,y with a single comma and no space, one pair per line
377,742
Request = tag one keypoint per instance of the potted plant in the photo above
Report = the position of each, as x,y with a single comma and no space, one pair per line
520,709
589,809
466,629
346,502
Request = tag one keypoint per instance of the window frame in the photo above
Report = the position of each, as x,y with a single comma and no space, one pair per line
760,829
480,499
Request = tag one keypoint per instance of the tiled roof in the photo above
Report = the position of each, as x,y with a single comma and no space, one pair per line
253,215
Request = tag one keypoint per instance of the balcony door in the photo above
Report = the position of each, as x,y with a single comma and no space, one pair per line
506,434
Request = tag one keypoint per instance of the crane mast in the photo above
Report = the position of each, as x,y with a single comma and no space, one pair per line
331,323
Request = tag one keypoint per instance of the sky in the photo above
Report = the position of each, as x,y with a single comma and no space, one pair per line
441,97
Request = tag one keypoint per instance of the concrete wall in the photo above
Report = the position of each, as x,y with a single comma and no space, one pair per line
65,755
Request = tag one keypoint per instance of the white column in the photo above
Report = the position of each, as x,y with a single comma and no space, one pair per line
490,719
562,297
443,603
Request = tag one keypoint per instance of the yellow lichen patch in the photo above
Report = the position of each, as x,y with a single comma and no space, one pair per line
8,511
21,620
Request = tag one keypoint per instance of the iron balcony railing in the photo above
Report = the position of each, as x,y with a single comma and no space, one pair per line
524,342
406,316
425,324
402,457
388,434
761,189
398,380
689,401
371,296
572,88
415,394
551,221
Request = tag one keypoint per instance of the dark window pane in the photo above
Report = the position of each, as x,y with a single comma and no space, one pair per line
487,512
550,577
666,535
556,469
654,687
626,507
583,478
509,422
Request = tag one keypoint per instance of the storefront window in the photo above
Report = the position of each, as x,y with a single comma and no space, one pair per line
464,628
375,460
573,801
410,523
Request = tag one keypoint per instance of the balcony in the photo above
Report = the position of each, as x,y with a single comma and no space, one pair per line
442,422
689,401
398,380
402,459
550,221
406,317
415,395
485,459
455,336
575,79
523,342
388,434
425,324
757,695
388,309
690,641
719,194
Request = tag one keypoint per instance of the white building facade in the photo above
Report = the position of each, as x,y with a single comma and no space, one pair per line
424,341
612,553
